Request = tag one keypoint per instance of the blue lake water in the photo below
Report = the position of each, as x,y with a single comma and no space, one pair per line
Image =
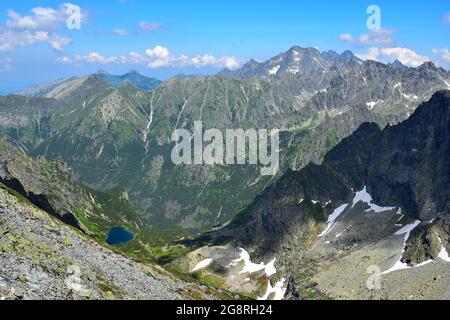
119,235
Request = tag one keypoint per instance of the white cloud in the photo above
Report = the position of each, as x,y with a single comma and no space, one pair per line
371,54
10,39
376,37
40,19
346,37
95,57
157,57
135,57
158,52
161,57
443,53
64,60
404,55
120,32
149,26
41,26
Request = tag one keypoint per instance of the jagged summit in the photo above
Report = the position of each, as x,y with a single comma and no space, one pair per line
398,64
296,61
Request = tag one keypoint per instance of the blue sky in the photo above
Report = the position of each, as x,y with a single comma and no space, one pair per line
164,38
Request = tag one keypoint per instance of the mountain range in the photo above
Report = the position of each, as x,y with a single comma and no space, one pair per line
120,136
363,173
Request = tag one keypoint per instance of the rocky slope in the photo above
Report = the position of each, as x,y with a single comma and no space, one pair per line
377,205
403,166
51,186
42,258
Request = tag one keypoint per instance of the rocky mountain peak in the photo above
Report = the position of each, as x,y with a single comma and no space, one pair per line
397,64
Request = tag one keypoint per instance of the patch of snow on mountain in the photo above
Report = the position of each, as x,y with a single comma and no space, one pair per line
250,267
277,290
365,197
202,264
443,254
270,268
371,104
406,230
274,70
399,265
294,70
332,218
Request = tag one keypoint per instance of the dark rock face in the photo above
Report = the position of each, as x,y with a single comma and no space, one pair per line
405,166
40,201
51,187
410,165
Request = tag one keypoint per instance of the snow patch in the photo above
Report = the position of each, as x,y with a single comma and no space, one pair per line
371,104
202,264
345,230
365,197
406,230
100,151
332,218
270,268
399,265
274,70
402,266
250,267
294,70
277,290
443,254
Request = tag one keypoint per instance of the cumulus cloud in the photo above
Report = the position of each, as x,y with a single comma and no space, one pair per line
376,37
95,57
404,55
157,57
41,26
443,53
346,37
149,26
10,40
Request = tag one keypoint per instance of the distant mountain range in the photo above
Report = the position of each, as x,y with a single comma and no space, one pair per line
296,61
133,77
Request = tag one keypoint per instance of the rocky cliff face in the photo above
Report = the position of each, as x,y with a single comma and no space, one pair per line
404,166
51,186
377,205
